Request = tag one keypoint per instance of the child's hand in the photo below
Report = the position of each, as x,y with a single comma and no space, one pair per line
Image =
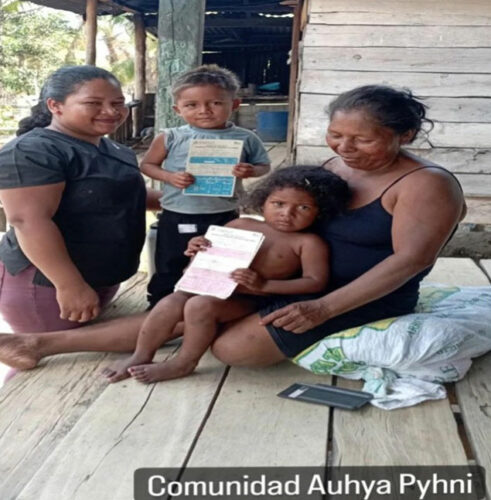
180,180
197,244
243,170
249,279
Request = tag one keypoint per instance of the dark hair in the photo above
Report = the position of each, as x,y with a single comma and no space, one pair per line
207,74
330,193
398,110
58,86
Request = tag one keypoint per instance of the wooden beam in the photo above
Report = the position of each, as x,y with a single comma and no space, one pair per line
90,31
251,22
264,8
3,220
180,33
401,12
264,45
437,84
322,35
391,59
292,91
140,73
118,7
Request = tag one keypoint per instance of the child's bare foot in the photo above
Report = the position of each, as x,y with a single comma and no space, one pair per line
19,350
156,372
119,370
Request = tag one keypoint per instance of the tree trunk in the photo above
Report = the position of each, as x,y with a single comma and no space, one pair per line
140,73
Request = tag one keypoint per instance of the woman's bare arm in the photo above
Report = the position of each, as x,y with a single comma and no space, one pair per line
30,211
425,212
153,199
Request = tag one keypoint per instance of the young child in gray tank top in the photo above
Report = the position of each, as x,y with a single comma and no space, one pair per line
205,98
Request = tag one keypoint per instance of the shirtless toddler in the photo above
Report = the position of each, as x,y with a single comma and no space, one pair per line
290,261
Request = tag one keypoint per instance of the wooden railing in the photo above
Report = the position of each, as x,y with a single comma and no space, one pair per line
124,133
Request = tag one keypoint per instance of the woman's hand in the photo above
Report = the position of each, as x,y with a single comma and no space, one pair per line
180,180
249,279
299,316
78,302
197,244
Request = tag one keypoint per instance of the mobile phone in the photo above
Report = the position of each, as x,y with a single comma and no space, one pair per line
327,395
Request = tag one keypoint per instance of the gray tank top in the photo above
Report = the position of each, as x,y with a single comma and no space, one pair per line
177,143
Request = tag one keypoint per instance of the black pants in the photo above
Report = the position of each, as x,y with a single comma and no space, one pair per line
172,240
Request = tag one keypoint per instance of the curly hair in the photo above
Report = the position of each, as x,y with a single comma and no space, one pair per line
207,74
330,193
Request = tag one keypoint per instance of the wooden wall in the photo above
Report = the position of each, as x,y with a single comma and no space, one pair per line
440,49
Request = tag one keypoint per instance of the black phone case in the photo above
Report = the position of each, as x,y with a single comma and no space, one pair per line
329,395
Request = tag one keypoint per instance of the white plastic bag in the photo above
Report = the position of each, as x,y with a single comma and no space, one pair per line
405,360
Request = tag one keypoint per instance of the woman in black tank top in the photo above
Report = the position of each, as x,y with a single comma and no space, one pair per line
402,212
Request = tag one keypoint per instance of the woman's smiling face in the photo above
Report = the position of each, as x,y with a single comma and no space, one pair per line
94,109
361,142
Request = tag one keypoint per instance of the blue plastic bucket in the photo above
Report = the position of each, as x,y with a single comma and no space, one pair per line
272,125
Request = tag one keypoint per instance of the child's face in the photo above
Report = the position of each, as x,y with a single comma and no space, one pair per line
290,209
206,106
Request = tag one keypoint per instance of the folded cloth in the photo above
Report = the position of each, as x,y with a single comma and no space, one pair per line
405,360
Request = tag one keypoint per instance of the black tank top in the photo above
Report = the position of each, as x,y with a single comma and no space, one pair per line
361,238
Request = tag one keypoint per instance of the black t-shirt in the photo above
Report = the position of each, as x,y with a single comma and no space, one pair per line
101,215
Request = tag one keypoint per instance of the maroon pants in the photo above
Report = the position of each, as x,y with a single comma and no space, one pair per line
30,308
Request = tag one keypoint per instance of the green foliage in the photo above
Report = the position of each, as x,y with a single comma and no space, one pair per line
32,46
124,71
35,41
7,119
117,35
10,6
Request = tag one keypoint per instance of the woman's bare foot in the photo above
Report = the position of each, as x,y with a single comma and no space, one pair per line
156,372
119,370
19,350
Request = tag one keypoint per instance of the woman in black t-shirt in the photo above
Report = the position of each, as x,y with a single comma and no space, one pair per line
75,202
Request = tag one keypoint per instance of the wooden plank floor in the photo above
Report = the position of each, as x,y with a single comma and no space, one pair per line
375,437
474,395
65,433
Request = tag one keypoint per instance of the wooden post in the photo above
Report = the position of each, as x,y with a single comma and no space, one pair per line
292,92
180,31
3,220
90,31
140,70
